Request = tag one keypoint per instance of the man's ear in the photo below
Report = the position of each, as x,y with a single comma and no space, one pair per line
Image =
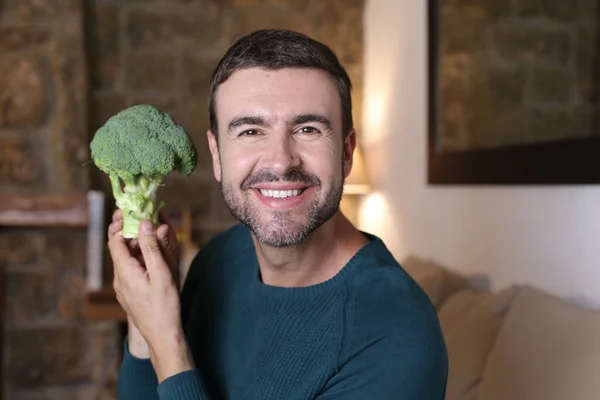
214,152
349,146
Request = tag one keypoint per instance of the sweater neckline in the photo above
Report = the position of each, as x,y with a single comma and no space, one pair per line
300,292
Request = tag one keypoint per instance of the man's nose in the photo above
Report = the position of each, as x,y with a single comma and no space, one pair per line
281,154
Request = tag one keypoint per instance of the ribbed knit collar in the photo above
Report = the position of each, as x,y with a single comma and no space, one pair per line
364,254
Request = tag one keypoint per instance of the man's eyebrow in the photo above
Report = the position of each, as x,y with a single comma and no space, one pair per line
248,120
304,118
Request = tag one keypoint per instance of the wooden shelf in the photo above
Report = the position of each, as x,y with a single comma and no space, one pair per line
43,210
103,305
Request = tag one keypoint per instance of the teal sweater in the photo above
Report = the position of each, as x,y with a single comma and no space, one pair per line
368,333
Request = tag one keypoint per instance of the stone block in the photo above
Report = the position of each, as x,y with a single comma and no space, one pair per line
47,356
104,349
344,38
248,20
532,45
551,85
559,10
461,36
70,297
170,31
246,3
64,249
20,165
21,37
588,11
19,248
150,72
108,391
23,92
195,118
29,10
104,27
50,394
299,5
70,143
176,3
193,192
477,9
105,106
30,297
197,73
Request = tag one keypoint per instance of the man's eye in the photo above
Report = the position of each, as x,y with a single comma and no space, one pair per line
249,132
309,130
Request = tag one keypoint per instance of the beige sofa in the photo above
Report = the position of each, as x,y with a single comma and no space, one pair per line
516,344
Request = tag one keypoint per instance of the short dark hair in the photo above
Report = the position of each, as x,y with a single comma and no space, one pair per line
276,49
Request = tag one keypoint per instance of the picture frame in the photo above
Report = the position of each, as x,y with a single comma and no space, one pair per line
562,162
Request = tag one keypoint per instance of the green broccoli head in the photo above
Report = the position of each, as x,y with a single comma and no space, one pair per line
136,148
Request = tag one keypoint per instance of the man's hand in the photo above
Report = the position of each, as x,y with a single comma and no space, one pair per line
148,290
170,250
167,238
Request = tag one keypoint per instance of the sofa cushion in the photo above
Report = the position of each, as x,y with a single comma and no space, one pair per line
546,349
470,321
438,282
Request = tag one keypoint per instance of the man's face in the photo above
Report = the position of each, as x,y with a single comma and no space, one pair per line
281,158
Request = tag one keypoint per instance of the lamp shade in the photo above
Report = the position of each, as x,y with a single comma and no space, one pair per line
357,182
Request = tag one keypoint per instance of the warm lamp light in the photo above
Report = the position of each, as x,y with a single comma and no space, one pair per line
357,182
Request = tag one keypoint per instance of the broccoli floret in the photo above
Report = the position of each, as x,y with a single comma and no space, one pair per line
136,148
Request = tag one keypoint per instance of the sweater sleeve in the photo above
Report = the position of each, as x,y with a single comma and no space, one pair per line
137,379
391,370
184,386
394,350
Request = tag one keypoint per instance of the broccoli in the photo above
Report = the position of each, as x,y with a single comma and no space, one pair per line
136,148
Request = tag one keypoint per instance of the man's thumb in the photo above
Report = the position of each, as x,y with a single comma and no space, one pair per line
150,248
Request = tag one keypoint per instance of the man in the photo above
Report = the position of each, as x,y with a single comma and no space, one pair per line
294,303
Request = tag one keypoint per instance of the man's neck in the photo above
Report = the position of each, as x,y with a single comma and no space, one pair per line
319,258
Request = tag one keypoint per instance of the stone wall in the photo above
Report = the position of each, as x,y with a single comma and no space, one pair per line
51,352
64,69
517,72
163,53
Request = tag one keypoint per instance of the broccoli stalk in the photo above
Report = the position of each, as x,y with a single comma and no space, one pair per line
137,148
137,201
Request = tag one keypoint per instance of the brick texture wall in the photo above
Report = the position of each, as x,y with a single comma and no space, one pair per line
517,72
65,67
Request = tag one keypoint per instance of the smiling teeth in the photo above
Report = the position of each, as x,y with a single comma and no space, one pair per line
280,194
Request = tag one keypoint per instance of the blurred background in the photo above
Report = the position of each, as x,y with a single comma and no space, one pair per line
66,66
505,258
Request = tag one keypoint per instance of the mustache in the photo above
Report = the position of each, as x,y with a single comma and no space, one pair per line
296,175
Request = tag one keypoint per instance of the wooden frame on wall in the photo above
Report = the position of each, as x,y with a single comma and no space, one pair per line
573,161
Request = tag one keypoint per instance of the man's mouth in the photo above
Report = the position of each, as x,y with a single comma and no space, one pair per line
281,194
